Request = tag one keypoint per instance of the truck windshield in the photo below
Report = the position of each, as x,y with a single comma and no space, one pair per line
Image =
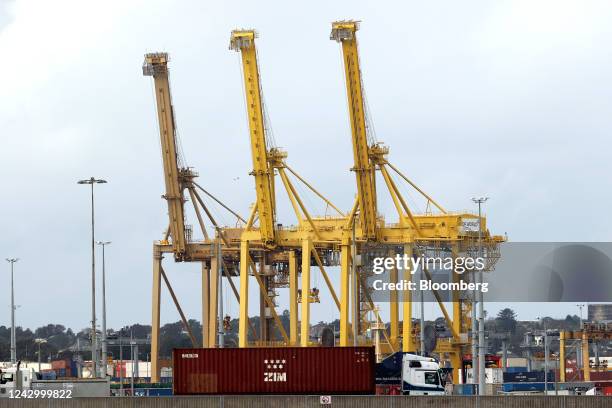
431,377
6,377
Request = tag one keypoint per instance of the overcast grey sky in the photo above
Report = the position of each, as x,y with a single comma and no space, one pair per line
507,98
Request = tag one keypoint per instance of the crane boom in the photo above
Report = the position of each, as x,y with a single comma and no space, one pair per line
344,32
156,65
244,41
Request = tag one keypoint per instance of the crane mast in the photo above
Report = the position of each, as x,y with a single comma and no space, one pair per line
244,42
156,65
344,32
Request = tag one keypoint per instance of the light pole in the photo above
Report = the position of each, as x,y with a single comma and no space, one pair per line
104,345
94,342
543,323
580,306
481,339
579,349
13,338
39,342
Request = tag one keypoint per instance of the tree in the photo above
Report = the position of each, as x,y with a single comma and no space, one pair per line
506,321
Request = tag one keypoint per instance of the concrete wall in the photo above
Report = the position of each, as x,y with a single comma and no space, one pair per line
314,402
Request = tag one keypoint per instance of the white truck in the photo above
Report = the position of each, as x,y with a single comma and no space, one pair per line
15,378
421,376
19,382
409,374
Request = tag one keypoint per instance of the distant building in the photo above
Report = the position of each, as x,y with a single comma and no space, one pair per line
600,313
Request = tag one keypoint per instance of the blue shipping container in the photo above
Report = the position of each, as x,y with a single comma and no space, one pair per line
516,369
464,389
527,386
159,392
528,376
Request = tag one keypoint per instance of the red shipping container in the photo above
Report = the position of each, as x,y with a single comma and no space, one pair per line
59,364
120,369
601,375
282,370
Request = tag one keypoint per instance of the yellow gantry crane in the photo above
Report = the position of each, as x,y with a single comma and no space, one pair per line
418,234
279,256
284,245
178,237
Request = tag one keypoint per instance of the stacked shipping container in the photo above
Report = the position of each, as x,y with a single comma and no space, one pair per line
291,370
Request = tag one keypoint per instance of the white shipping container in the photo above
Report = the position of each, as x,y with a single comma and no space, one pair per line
34,365
517,362
492,376
143,369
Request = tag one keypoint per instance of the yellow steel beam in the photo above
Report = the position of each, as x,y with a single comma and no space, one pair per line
269,302
244,42
155,321
585,357
562,356
205,304
373,308
211,218
234,213
251,218
281,171
179,309
197,211
457,317
305,318
345,259
214,302
326,277
294,204
394,310
344,32
431,200
293,304
156,65
321,196
394,198
244,295
447,318
407,341
401,198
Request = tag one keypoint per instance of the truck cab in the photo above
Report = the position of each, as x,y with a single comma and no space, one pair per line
421,376
15,378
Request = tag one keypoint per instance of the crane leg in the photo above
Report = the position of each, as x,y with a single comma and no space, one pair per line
585,356
394,311
305,327
456,356
205,303
562,356
293,304
344,293
212,304
157,259
243,322
407,341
